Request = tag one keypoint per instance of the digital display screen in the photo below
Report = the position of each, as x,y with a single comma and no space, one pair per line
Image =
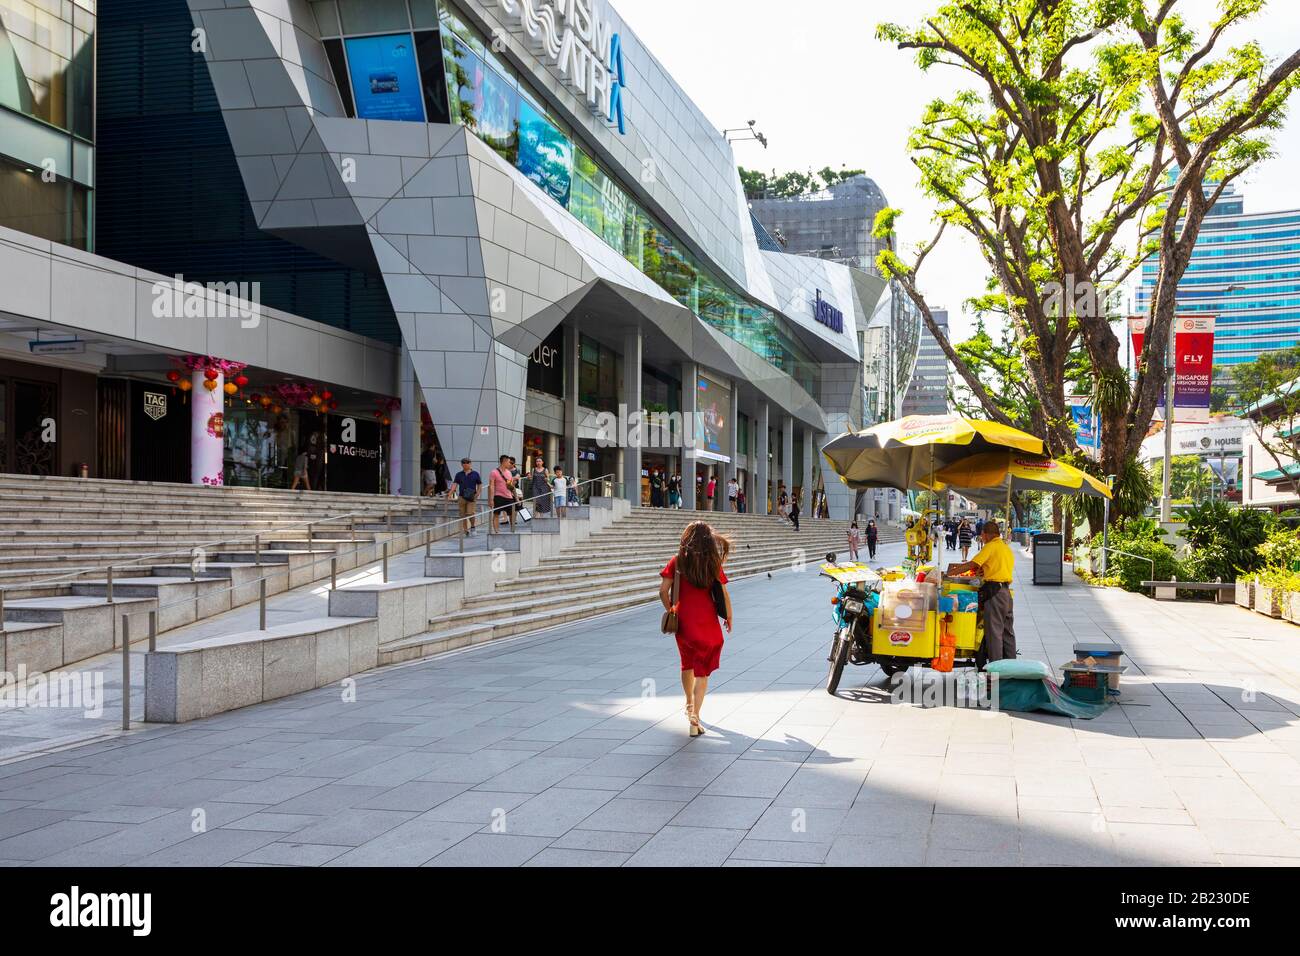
545,154
385,77
713,418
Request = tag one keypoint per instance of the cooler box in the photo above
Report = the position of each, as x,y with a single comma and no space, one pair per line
965,627
922,643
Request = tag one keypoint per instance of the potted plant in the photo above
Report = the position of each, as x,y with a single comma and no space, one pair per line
1245,595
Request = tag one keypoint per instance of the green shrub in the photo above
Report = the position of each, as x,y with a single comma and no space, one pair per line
1132,570
1225,541
1281,549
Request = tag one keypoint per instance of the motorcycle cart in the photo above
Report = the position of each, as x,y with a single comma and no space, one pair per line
897,621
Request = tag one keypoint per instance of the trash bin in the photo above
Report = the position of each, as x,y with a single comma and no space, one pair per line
1049,558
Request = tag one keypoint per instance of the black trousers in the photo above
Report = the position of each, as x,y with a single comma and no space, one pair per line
999,630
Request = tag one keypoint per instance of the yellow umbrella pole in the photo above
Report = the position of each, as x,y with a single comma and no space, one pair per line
1007,530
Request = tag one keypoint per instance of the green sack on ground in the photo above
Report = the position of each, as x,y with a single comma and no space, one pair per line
1030,694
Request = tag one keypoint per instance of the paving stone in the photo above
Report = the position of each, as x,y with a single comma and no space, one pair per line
491,849
687,846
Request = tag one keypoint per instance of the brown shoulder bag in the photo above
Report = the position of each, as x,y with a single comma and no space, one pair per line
669,623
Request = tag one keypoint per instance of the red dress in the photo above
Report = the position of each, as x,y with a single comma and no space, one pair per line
699,634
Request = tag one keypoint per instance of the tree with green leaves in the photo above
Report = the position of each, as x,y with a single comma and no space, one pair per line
1094,134
759,185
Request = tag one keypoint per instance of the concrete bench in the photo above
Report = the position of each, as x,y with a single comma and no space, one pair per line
210,676
1168,590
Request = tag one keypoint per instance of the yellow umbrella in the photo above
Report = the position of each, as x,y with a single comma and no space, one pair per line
998,472
991,477
907,452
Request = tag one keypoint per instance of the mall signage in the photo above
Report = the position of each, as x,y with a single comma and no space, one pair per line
827,314
1193,364
546,365
577,38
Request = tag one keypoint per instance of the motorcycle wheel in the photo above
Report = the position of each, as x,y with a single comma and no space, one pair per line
839,655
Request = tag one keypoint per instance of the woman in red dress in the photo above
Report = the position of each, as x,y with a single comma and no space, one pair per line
699,560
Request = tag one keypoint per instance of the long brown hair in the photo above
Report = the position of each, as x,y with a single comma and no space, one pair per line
701,553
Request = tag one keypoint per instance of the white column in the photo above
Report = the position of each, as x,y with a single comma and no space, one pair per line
571,346
632,399
690,375
406,444
787,453
207,429
762,482
734,448
809,439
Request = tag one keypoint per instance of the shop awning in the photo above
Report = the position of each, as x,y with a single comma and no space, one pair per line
1289,473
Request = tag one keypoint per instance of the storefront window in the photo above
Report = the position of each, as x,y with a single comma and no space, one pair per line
259,447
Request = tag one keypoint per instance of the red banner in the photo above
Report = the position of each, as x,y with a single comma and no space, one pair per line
1193,364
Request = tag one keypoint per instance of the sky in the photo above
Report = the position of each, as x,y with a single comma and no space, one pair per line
825,92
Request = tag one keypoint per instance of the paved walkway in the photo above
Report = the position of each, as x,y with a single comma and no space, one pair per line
570,748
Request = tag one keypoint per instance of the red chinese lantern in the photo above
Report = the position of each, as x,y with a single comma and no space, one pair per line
173,376
265,401
185,385
211,375
326,395
210,385
230,388
333,405
241,379
275,409
385,421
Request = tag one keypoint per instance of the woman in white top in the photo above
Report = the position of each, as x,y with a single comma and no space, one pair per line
560,485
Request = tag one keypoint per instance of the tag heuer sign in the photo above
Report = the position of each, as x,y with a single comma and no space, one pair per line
155,404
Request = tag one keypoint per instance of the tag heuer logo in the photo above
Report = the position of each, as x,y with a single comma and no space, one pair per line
155,405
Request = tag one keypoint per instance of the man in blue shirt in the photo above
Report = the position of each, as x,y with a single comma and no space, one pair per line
467,483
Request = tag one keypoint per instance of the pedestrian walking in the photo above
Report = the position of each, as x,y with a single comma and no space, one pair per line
873,535
560,487
709,490
794,511
694,587
540,488
732,490
855,540
656,488
675,491
465,488
428,471
965,533
740,501
502,487
300,473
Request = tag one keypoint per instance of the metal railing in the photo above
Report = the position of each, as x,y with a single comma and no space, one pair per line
1128,554
384,548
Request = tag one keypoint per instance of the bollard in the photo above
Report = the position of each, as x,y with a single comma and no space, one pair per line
385,562
428,550
257,549
126,672
153,630
334,573
261,604
110,584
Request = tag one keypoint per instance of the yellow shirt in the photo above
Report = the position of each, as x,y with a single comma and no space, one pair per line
996,560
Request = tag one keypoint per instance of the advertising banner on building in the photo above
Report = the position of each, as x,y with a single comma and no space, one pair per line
712,420
1193,364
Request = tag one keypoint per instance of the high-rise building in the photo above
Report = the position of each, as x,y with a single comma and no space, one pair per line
1245,271
834,223
927,393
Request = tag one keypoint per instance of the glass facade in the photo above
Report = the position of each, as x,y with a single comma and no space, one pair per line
1240,274
485,94
47,118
